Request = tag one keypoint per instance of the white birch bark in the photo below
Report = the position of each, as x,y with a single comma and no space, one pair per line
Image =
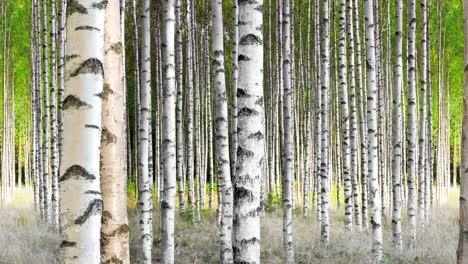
250,134
168,133
374,197
53,119
79,182
288,135
179,108
45,117
422,192
411,111
145,201
114,229
324,107
397,142
222,134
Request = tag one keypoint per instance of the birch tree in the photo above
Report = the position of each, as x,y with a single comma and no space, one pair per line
145,201
374,197
288,135
250,150
222,134
411,112
168,133
397,126
114,229
462,251
324,107
80,218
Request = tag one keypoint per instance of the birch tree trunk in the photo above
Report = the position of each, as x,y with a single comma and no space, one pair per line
462,251
422,116
222,134
288,135
179,108
189,96
53,119
45,127
374,197
168,133
343,81
234,83
397,126
250,135
411,111
80,219
324,107
144,182
114,229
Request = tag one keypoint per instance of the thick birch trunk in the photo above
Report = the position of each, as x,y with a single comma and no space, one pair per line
114,229
80,219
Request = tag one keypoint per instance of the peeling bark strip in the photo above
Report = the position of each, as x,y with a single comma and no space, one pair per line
250,150
91,65
80,221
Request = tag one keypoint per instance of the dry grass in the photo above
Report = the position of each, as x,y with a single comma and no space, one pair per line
24,239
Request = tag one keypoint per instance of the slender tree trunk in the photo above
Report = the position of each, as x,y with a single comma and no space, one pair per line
324,107
397,126
168,133
288,128
53,119
179,109
222,134
462,251
374,196
144,182
189,96
45,127
80,222
411,110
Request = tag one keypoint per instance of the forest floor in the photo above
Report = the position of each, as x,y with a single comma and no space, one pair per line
25,239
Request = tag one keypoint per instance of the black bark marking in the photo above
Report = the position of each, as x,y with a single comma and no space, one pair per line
68,58
93,192
72,101
257,136
94,208
242,193
243,57
92,126
88,28
116,47
245,111
113,260
242,93
241,152
106,91
250,39
77,171
107,137
74,7
66,243
106,216
100,5
247,2
91,65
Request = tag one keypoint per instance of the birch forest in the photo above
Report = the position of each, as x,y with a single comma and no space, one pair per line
233,131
